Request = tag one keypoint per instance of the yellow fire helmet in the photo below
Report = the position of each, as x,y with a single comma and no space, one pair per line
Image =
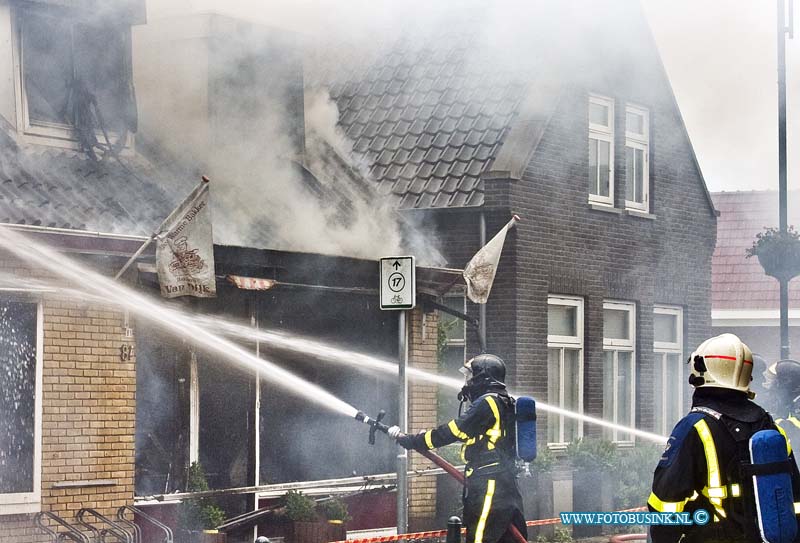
724,362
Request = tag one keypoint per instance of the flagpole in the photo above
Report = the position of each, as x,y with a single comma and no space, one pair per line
146,244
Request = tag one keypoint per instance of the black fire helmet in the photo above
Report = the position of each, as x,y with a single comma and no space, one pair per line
482,372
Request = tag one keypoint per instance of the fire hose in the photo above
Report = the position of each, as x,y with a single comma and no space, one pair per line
376,424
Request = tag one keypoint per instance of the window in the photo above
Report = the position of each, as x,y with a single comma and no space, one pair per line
74,77
601,150
619,377
20,406
564,367
452,351
670,373
637,178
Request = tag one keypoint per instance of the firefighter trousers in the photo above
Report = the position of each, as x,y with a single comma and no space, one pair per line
491,504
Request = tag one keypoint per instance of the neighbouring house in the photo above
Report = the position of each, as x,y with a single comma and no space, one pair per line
602,289
745,301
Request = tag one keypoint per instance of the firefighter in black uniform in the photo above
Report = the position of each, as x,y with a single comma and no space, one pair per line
491,498
787,398
701,467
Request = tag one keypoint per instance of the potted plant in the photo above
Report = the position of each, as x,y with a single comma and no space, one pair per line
592,462
198,518
304,522
778,252
337,515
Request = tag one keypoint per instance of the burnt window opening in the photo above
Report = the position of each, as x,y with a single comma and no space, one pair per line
163,388
18,414
77,80
451,352
300,440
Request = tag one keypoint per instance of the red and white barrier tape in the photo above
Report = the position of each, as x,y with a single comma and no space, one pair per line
443,533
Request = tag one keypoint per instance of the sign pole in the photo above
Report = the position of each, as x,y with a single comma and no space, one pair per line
402,456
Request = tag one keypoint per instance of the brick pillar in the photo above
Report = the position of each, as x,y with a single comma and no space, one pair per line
423,333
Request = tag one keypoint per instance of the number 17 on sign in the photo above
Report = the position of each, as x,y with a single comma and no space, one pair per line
398,284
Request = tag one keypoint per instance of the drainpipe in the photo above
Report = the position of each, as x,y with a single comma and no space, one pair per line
402,456
482,307
782,195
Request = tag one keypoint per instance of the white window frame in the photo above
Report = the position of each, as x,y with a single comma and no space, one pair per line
52,134
30,502
604,133
660,350
616,346
641,142
562,343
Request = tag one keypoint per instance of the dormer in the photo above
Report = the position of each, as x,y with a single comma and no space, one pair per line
65,73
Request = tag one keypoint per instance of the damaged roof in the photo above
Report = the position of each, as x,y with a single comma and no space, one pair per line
429,122
738,282
61,188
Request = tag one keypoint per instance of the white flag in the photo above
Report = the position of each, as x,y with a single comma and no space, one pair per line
481,269
185,249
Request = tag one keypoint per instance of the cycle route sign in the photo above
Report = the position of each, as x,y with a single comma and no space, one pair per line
398,284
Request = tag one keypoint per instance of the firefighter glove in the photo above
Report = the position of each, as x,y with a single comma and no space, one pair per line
394,432
406,441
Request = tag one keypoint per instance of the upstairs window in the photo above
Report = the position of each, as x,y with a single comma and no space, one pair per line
601,150
637,143
619,377
75,79
564,368
670,372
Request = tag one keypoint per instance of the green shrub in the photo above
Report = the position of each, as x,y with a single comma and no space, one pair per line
300,507
544,462
199,513
633,475
592,454
334,509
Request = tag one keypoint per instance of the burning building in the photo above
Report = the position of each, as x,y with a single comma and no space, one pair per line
423,145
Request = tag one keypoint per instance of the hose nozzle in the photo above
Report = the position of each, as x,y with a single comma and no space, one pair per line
374,424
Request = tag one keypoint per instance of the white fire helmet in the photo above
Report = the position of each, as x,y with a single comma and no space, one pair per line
724,362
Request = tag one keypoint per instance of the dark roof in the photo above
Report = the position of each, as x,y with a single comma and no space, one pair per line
738,282
429,121
45,186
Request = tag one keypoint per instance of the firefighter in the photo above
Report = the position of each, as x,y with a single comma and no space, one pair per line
787,398
707,461
491,496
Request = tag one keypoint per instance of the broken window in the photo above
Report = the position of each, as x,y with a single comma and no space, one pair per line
19,435
226,423
75,76
301,440
163,390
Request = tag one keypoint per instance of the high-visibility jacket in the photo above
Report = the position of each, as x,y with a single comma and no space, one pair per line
700,469
492,500
790,427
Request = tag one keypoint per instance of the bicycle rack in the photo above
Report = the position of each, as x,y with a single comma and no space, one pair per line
120,534
168,537
134,528
72,534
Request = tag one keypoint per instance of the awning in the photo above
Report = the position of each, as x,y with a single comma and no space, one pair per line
251,283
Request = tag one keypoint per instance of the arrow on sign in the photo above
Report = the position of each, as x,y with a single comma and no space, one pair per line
396,264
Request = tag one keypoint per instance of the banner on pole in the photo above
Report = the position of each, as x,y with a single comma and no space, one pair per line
185,249
481,269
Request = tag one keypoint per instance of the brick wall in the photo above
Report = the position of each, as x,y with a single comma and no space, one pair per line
423,330
88,414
